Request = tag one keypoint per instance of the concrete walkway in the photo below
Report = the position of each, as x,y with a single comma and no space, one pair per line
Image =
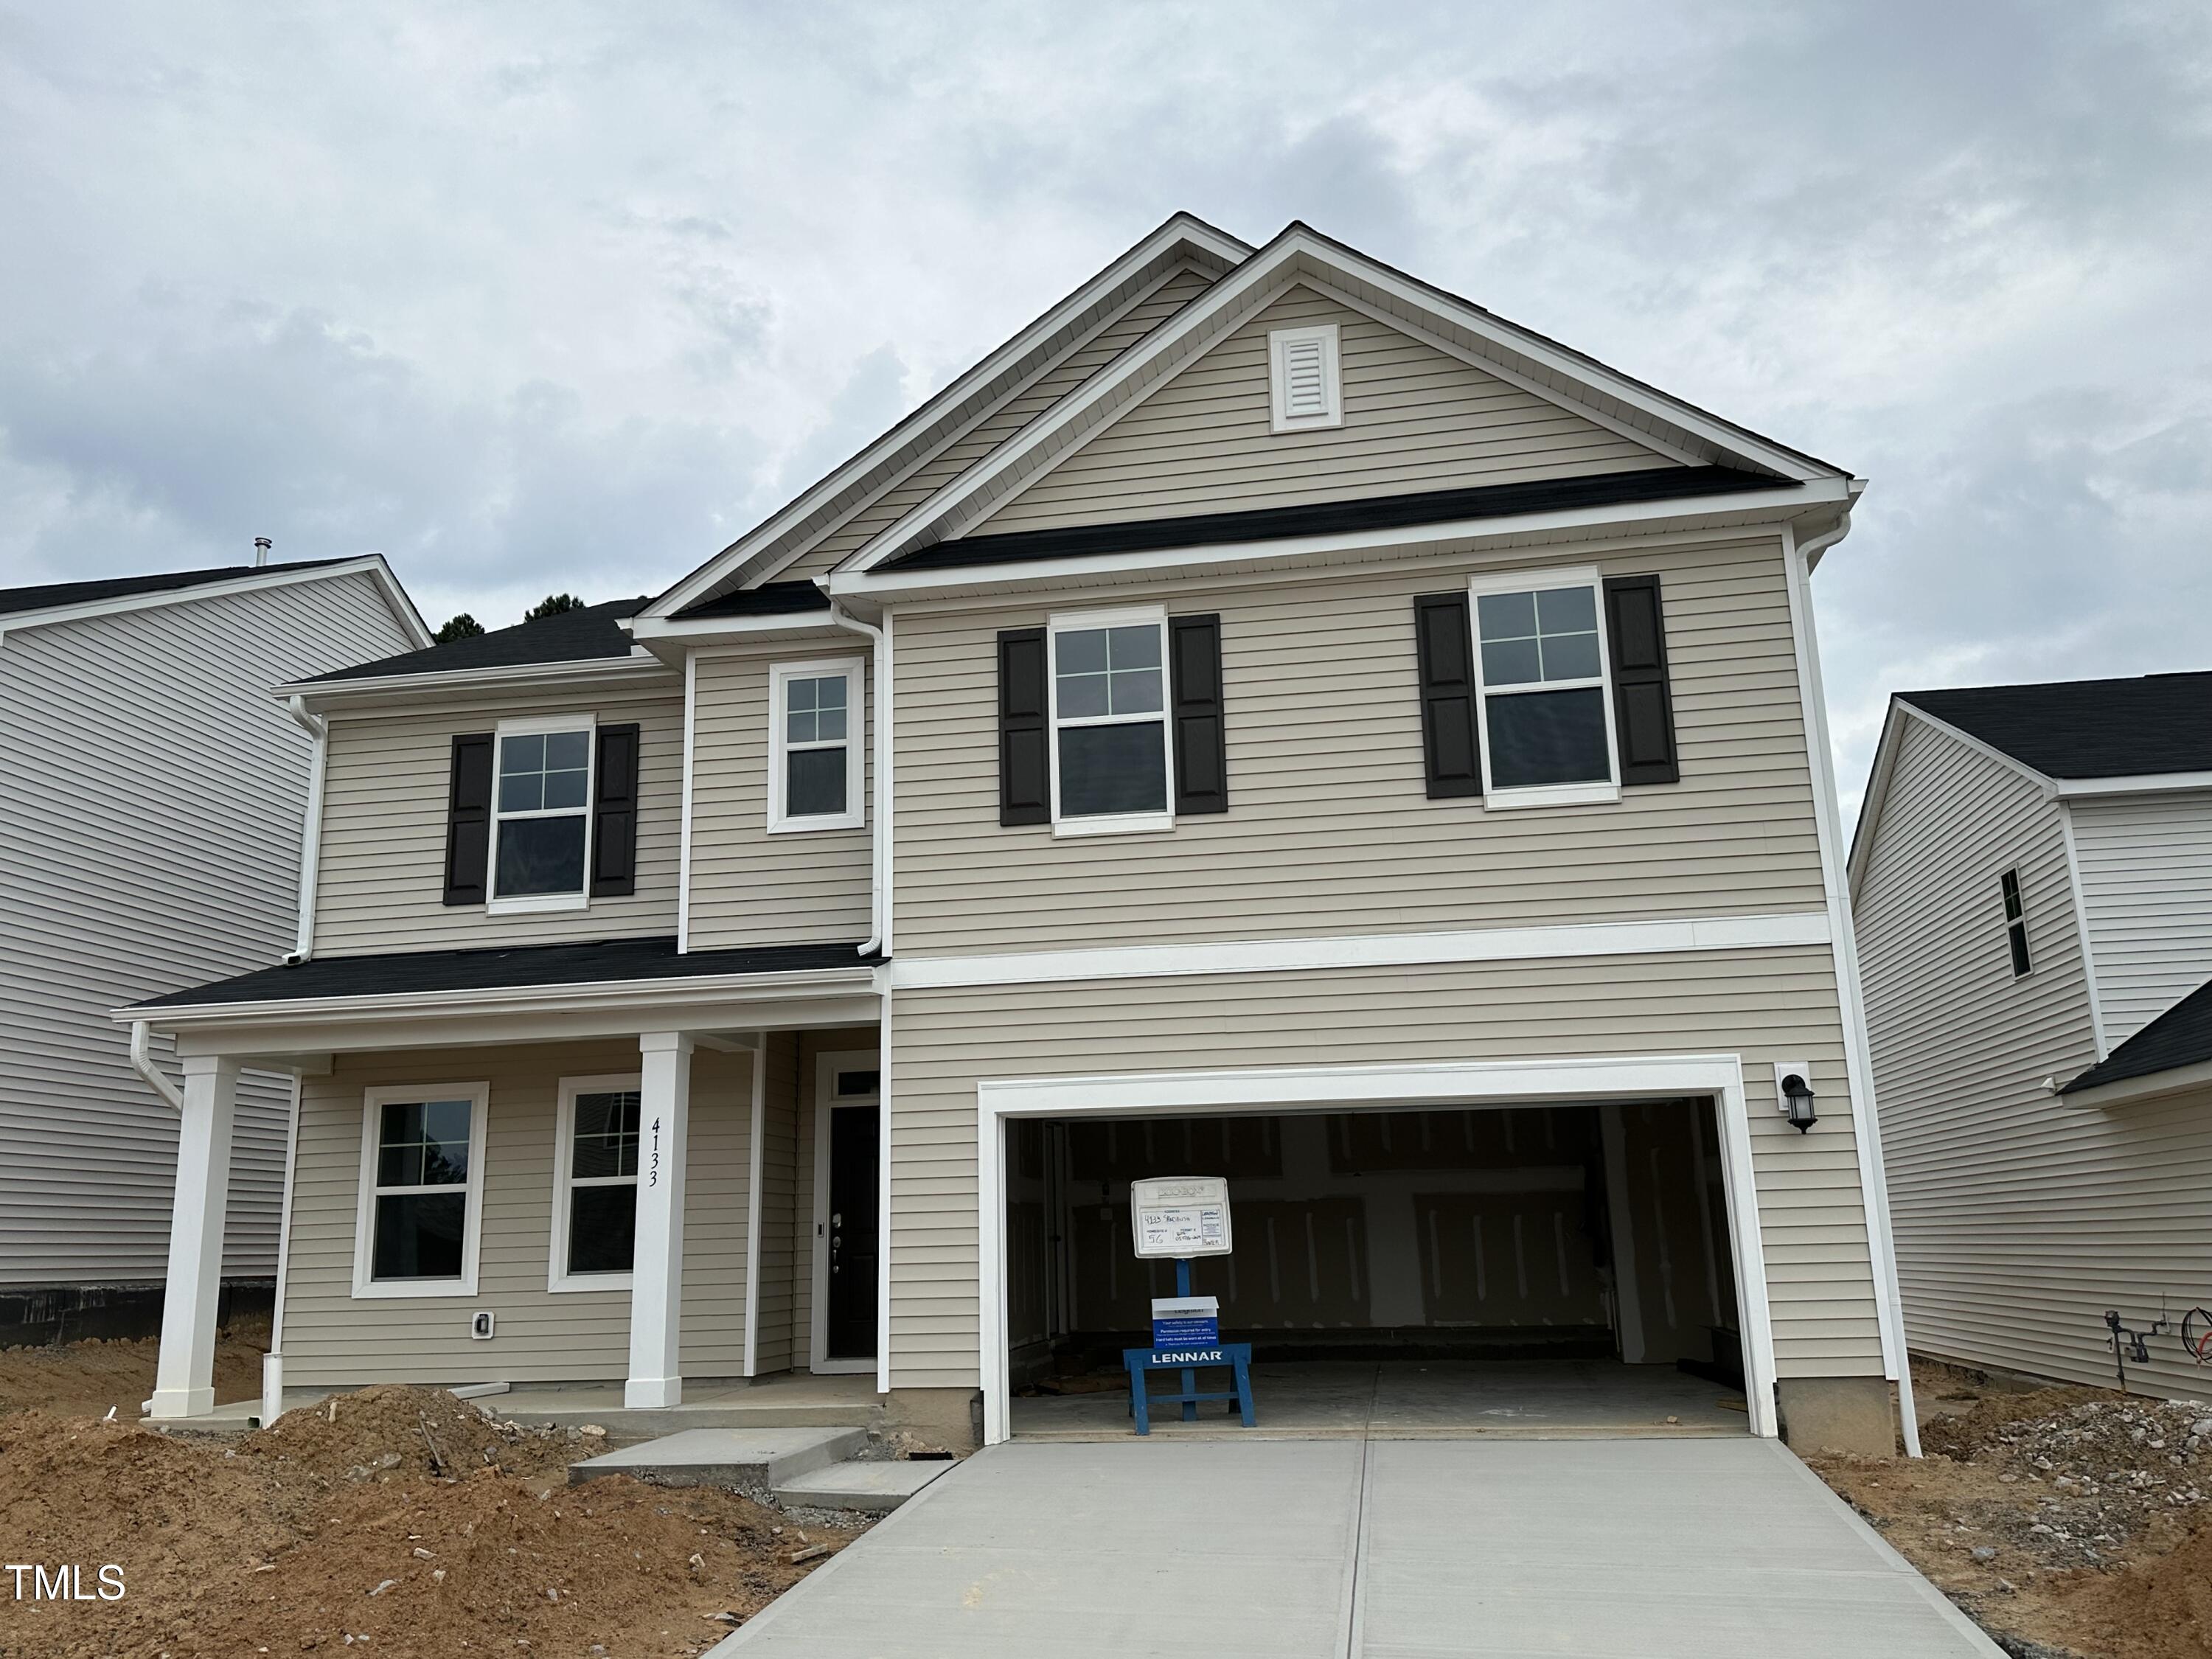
1582,1549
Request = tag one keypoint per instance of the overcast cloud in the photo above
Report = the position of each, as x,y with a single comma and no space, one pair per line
544,296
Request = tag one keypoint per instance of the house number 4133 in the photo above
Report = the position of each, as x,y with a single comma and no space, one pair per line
653,1172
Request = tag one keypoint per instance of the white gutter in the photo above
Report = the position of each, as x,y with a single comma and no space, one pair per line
141,1061
1858,1055
2133,1090
310,829
880,820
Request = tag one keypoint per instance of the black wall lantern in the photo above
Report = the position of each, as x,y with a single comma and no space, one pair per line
1797,1102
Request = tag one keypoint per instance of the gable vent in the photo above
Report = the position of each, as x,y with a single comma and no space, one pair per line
1302,373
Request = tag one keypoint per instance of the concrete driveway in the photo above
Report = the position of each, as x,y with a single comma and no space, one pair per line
1704,1549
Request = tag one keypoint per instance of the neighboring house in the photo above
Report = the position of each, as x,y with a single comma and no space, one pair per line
151,800
1271,718
2033,877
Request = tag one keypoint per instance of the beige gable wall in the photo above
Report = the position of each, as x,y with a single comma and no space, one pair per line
331,1338
2020,1216
1764,1004
2146,864
382,881
1329,829
748,887
1414,418
1048,389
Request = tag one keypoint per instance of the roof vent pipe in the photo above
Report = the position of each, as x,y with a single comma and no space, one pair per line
261,546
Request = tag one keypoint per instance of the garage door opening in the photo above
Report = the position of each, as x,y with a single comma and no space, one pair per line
1542,1269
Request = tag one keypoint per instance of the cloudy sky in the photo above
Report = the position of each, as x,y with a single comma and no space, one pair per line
546,295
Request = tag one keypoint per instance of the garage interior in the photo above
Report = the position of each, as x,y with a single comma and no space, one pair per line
1543,1270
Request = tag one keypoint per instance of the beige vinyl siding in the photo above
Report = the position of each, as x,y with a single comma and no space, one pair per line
2019,1218
2145,865
1762,1005
151,799
1330,831
748,887
1414,418
1002,424
382,881
332,1340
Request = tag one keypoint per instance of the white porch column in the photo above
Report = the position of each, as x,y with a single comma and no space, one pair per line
657,1271
184,1380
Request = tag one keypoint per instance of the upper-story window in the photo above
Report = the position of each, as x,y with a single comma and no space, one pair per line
1304,385
542,814
1112,767
2015,915
815,779
1541,684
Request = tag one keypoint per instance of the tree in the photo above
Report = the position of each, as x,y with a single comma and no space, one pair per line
462,627
552,606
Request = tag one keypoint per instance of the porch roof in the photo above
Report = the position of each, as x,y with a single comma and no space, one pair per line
597,962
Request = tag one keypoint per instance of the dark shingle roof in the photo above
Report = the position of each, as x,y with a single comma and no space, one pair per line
48,595
2181,1036
571,636
602,961
2087,728
768,600
1329,517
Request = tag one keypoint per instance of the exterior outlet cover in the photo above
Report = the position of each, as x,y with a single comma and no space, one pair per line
1782,1068
480,1327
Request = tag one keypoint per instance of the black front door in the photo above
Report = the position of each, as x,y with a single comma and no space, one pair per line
851,1333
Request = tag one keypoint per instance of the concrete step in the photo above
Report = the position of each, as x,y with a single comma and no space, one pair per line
725,1457
626,1427
878,1488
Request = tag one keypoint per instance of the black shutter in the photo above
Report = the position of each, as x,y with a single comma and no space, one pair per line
1024,728
1201,755
1644,709
1450,743
614,814
468,819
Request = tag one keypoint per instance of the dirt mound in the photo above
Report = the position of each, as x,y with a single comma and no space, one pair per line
2159,1609
85,1379
315,1530
1965,1433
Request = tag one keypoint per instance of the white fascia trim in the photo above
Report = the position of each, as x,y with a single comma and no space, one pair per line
708,630
2133,1090
1337,1088
395,597
677,990
1779,505
2147,783
1180,228
383,687
1283,956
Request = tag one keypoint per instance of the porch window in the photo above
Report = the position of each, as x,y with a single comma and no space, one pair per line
595,1176
422,1176
1547,726
1109,730
815,781
541,814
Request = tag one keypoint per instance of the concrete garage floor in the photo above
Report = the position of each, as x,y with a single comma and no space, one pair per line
1386,1549
1410,1399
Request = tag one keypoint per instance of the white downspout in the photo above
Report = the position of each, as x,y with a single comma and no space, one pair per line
880,819
141,1061
1858,1056
311,833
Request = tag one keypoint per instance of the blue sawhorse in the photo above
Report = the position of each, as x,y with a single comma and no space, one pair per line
1142,1362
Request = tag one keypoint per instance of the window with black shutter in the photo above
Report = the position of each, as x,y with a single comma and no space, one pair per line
1451,753
1643,706
1024,728
1201,750
468,819
614,813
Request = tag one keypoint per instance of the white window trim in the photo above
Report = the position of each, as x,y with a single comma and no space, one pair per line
1278,341
478,1094
1079,622
530,727
557,1276
1594,793
827,1100
855,815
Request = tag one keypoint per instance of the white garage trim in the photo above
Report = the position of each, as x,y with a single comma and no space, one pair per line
1337,1088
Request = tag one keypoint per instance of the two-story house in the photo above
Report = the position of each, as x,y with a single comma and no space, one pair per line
1271,719
151,797
2032,874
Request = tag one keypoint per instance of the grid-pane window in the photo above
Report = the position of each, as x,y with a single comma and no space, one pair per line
602,1181
421,1203
815,718
544,809
1541,670
1109,719
2016,922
